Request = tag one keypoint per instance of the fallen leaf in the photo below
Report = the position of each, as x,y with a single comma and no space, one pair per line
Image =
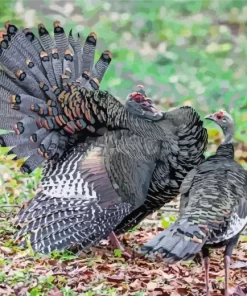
160,292
21,291
239,264
136,285
6,250
55,292
151,286
116,278
104,242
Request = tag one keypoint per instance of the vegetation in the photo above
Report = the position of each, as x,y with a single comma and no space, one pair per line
190,52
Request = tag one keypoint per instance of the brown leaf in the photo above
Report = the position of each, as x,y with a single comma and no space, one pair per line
159,292
55,292
151,286
184,281
6,250
52,262
21,291
184,291
116,278
104,242
6,290
175,268
136,285
106,267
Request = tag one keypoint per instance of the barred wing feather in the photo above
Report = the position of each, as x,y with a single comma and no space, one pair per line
88,192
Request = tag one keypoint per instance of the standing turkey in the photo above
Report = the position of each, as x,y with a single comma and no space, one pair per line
213,209
134,165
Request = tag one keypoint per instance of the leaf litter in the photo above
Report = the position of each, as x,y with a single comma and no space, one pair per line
103,271
92,273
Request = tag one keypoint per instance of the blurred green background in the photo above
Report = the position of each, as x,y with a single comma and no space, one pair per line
182,51
185,52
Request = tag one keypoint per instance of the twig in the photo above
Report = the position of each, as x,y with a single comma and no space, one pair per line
10,206
171,210
61,273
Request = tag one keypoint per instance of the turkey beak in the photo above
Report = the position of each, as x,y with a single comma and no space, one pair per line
209,117
153,109
149,107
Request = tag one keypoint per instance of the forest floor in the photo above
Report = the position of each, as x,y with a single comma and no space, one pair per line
103,271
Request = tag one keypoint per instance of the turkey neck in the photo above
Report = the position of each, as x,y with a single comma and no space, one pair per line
228,133
226,149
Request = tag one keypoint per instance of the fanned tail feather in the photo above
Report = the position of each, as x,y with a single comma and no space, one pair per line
181,241
37,80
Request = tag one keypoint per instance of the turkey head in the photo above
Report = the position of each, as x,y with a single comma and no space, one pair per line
140,105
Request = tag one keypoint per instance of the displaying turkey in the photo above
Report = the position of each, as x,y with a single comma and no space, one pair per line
213,209
98,184
88,179
54,58
46,93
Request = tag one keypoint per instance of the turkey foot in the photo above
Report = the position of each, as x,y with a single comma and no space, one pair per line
236,291
116,244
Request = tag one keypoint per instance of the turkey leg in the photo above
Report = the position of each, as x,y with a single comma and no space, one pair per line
206,260
227,260
116,244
